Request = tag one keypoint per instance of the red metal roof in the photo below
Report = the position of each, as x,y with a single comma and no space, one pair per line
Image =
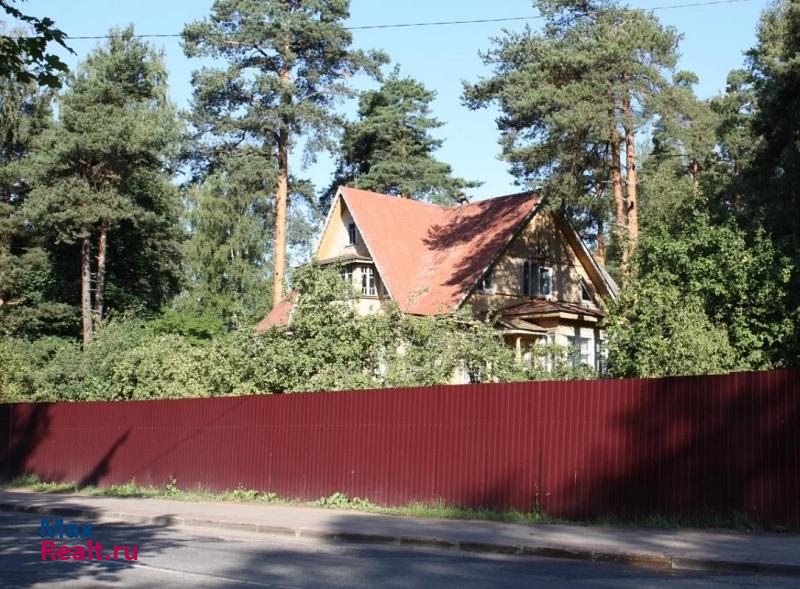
430,256
278,316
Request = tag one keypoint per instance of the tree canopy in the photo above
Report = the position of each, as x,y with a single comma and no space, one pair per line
287,64
390,149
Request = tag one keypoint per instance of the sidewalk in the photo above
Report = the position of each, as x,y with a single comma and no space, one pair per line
688,550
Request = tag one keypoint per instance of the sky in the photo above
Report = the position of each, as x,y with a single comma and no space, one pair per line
441,57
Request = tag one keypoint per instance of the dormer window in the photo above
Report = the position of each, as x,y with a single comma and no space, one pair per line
486,283
352,234
537,280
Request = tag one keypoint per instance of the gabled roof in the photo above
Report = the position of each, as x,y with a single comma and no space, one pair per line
430,257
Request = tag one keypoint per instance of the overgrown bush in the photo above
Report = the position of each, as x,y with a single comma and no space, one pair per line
328,346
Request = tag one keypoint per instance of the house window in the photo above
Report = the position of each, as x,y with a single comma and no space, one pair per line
586,296
580,350
600,355
536,280
486,284
545,281
347,275
368,282
352,234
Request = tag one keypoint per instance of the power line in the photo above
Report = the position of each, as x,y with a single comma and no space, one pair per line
430,24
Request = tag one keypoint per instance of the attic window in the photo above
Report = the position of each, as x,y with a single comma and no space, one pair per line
586,296
537,281
486,283
352,234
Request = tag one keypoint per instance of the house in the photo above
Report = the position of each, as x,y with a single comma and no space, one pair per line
508,253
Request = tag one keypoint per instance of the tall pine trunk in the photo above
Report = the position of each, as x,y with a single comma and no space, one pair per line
282,189
620,218
599,194
632,209
281,206
600,252
100,286
86,290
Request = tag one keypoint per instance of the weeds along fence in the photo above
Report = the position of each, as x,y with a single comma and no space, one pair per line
678,447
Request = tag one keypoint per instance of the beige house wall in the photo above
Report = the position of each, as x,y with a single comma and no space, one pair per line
544,242
336,241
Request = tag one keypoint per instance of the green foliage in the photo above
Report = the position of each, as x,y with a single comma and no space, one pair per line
16,377
260,40
29,284
106,163
196,328
284,67
24,56
227,254
125,362
772,179
706,297
389,149
561,92
328,346
658,331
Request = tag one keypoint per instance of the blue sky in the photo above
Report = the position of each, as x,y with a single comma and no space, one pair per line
441,57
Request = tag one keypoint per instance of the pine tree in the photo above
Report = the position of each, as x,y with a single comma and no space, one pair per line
27,277
287,64
103,179
389,149
686,129
773,176
573,98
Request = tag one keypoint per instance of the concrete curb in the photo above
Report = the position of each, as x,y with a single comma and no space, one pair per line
646,560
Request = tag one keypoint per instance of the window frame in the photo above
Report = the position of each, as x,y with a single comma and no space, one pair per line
352,233
533,272
548,271
574,342
588,299
369,285
482,282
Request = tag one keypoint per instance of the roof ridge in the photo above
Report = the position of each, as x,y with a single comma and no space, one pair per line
453,207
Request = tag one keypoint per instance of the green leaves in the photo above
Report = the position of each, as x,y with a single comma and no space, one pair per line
705,297
106,162
24,57
658,331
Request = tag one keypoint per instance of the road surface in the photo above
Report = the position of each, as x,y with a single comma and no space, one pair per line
199,558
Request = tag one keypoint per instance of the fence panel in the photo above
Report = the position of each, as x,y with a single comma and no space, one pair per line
673,446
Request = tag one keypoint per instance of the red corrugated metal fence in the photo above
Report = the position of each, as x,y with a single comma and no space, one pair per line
673,446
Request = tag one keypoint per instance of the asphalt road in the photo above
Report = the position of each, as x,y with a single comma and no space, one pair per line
191,558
